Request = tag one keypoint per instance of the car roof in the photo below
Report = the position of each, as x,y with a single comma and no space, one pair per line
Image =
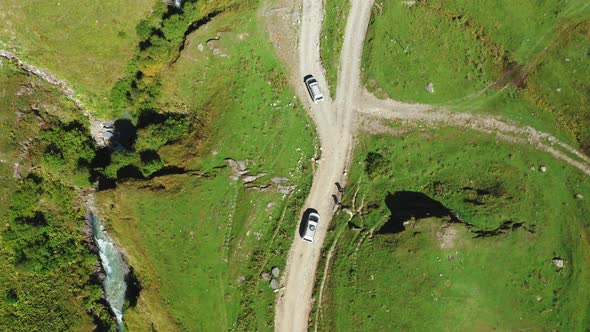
314,214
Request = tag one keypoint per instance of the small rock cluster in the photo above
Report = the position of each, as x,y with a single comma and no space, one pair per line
103,133
430,88
240,171
272,276
558,262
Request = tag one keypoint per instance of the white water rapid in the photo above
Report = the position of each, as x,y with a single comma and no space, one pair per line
114,267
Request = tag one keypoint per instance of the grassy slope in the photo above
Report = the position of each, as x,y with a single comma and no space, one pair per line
62,294
252,116
462,48
336,13
8,147
406,281
88,44
9,83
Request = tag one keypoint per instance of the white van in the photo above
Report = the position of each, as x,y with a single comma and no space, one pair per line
313,88
311,225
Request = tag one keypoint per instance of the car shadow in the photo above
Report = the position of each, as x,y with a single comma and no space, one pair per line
303,222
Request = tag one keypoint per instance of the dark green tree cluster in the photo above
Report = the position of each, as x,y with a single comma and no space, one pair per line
46,267
68,151
47,272
162,36
155,135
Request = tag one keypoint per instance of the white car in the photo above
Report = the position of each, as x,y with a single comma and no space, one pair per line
311,224
313,88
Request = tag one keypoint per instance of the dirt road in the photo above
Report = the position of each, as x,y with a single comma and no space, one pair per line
334,121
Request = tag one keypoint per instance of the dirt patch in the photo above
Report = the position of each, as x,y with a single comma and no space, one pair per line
447,236
513,74
282,19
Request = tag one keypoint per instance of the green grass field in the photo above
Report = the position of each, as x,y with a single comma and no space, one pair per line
336,13
436,275
471,51
191,240
87,44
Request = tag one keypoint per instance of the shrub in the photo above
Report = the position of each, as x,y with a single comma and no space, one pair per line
150,163
68,152
121,159
155,135
374,164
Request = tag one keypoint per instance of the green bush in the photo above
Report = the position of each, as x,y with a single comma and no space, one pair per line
156,135
68,153
48,264
150,167
120,159
374,164
25,199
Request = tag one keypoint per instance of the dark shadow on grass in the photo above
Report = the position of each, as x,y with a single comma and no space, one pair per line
125,133
129,172
405,205
134,288
507,226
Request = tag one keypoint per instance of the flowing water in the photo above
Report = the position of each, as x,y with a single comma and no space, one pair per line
114,267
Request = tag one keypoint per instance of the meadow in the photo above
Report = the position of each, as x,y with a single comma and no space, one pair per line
524,62
457,230
199,241
87,44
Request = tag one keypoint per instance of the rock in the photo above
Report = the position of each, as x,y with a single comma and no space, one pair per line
274,284
275,271
259,188
242,278
230,162
578,196
265,276
286,190
539,298
542,169
99,272
430,88
278,180
558,89
242,164
558,262
252,178
238,168
200,47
